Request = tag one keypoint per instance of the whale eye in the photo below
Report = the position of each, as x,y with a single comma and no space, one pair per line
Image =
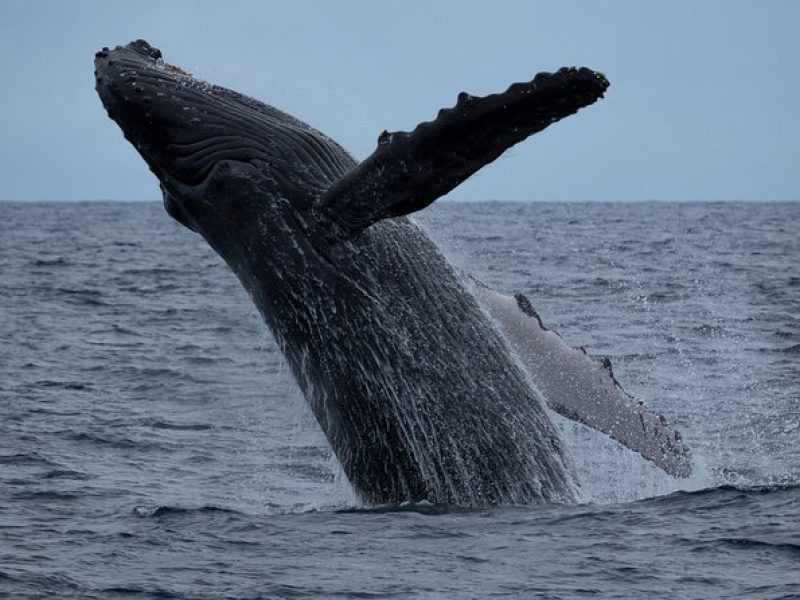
175,210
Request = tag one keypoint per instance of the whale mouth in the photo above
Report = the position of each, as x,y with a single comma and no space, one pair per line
178,123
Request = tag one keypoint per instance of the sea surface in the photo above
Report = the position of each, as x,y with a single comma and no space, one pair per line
154,445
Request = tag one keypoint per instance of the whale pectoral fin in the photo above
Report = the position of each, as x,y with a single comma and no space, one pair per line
583,388
408,171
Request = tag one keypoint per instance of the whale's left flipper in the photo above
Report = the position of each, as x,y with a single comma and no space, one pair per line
408,171
583,388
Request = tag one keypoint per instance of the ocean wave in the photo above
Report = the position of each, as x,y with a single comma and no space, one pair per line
67,385
156,423
116,442
26,458
747,543
82,296
166,510
127,591
50,262
65,474
727,491
46,495
422,508
793,349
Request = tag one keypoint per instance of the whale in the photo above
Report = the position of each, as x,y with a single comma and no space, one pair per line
429,386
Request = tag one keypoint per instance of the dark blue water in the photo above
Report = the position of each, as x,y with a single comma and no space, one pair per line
153,445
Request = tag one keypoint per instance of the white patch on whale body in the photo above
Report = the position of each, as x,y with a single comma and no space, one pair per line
581,387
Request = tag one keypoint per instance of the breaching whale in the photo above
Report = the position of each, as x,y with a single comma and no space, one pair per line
401,358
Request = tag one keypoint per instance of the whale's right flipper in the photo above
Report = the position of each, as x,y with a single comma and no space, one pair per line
408,171
581,387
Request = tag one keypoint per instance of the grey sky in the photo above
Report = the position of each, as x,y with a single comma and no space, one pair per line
702,105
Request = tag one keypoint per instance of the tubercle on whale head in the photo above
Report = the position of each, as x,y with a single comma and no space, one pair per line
160,110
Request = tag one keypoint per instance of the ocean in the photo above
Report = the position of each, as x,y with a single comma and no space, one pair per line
154,445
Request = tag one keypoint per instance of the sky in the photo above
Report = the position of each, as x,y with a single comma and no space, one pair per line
702,105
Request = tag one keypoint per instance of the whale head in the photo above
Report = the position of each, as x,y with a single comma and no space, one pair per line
217,154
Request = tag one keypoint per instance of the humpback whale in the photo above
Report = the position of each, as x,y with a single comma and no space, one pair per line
427,385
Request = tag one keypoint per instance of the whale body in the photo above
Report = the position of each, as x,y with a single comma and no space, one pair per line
412,379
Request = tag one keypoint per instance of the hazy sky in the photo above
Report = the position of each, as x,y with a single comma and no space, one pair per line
703,100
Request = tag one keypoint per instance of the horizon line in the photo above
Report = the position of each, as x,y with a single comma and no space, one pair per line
447,200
